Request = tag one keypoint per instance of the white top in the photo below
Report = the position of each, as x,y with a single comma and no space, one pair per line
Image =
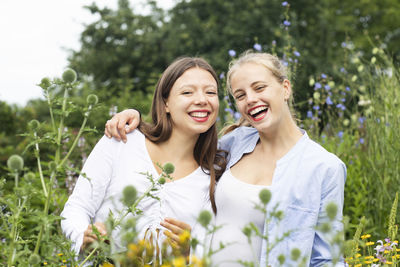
235,209
112,166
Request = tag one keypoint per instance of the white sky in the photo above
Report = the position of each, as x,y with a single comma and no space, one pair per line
35,36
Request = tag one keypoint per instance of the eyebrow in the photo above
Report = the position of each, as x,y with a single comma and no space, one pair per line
251,85
194,86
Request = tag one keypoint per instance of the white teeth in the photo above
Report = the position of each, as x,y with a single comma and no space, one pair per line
199,114
256,110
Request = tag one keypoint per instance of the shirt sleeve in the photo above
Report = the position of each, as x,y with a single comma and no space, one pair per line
332,192
89,192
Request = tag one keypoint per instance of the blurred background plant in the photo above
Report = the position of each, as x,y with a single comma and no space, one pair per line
344,70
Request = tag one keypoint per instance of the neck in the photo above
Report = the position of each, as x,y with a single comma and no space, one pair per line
280,140
179,146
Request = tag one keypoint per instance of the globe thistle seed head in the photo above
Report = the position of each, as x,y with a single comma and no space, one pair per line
295,254
34,259
45,83
281,259
326,227
169,168
129,195
161,180
15,163
33,125
204,218
247,231
265,196
52,166
331,210
92,99
69,76
30,177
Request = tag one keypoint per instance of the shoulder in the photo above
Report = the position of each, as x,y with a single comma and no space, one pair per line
240,134
106,144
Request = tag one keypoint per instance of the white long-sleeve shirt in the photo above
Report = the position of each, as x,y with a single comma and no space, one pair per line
112,166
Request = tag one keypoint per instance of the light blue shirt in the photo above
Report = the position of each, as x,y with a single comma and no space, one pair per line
306,179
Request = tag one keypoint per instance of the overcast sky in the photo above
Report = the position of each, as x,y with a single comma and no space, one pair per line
35,38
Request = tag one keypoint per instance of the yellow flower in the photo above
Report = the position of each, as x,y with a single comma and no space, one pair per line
365,236
166,265
64,261
107,264
184,237
389,262
375,260
60,254
396,242
369,257
358,255
386,252
179,262
45,263
368,262
397,249
370,243
358,265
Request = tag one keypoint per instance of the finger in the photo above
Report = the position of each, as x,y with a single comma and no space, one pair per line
101,227
174,229
87,241
172,236
121,129
113,124
133,124
179,224
107,131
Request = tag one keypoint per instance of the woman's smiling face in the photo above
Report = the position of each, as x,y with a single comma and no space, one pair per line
193,101
260,97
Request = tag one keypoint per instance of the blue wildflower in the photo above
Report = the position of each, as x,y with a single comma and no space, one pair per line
228,110
286,22
319,112
327,87
344,44
273,42
232,53
361,120
297,54
285,3
361,140
347,89
329,101
342,70
309,114
343,99
226,97
343,93
340,134
341,106
222,75
237,115
316,107
323,76
317,85
285,63
378,120
257,47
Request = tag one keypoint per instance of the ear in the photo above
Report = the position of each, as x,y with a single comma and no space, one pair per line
287,87
166,107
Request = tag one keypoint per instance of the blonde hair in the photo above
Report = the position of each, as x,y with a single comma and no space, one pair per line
271,62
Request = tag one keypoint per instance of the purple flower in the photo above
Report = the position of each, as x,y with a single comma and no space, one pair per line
226,97
343,99
229,110
344,44
297,54
378,120
329,101
222,75
316,107
343,93
327,87
361,140
237,115
341,106
273,42
232,53
323,76
257,47
309,114
361,120
343,70
340,134
285,3
347,89
285,63
286,22
317,85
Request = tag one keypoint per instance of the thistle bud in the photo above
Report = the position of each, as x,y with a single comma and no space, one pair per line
281,259
169,168
265,196
92,99
30,177
204,218
247,231
69,76
33,125
15,163
161,180
295,254
45,83
129,195
34,259
331,210
326,227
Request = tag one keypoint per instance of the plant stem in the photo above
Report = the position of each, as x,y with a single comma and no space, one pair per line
88,257
60,127
37,154
77,137
51,110
14,233
45,212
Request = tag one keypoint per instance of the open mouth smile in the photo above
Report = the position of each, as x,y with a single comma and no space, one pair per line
200,115
259,112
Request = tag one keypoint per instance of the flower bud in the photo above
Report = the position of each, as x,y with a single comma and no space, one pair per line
34,259
295,254
15,163
30,177
45,83
161,180
33,125
281,259
247,231
69,76
326,227
129,195
265,196
92,99
169,168
204,218
331,210
316,95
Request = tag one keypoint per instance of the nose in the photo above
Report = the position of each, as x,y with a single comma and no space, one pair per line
201,98
251,97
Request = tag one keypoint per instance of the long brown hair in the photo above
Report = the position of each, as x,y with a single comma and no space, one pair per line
205,152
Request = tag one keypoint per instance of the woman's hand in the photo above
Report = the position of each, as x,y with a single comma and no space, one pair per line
178,234
116,127
89,235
